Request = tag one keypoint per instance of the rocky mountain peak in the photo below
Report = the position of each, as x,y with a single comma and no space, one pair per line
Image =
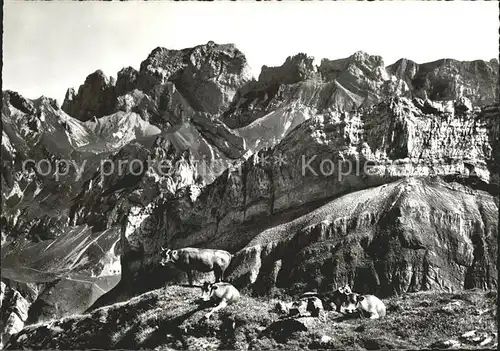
159,66
126,80
44,100
212,76
449,79
95,97
18,101
203,62
208,77
404,68
359,64
296,68
361,57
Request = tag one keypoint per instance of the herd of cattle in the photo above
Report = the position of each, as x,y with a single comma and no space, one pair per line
208,260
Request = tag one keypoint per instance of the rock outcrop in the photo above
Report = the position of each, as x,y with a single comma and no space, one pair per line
208,76
14,312
449,79
95,98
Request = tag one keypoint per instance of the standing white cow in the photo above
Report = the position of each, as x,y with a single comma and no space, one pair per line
224,293
202,260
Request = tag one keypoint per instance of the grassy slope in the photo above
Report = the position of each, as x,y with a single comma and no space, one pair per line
171,319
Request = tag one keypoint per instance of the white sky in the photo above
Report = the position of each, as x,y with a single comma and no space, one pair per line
50,46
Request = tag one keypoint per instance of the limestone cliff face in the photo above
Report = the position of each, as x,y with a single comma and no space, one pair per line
393,140
14,309
212,76
449,79
344,84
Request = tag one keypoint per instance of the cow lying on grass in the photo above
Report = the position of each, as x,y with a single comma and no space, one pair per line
366,305
223,293
333,299
344,300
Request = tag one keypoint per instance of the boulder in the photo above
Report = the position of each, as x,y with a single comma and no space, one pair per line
283,329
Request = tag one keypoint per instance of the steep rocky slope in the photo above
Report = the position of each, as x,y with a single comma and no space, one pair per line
343,85
14,309
405,236
37,135
47,156
43,207
246,165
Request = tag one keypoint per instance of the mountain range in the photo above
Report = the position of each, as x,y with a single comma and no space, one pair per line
350,172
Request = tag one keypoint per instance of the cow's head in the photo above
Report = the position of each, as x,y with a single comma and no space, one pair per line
168,255
351,304
207,290
338,297
346,289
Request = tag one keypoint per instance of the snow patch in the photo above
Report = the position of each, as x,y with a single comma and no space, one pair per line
119,134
